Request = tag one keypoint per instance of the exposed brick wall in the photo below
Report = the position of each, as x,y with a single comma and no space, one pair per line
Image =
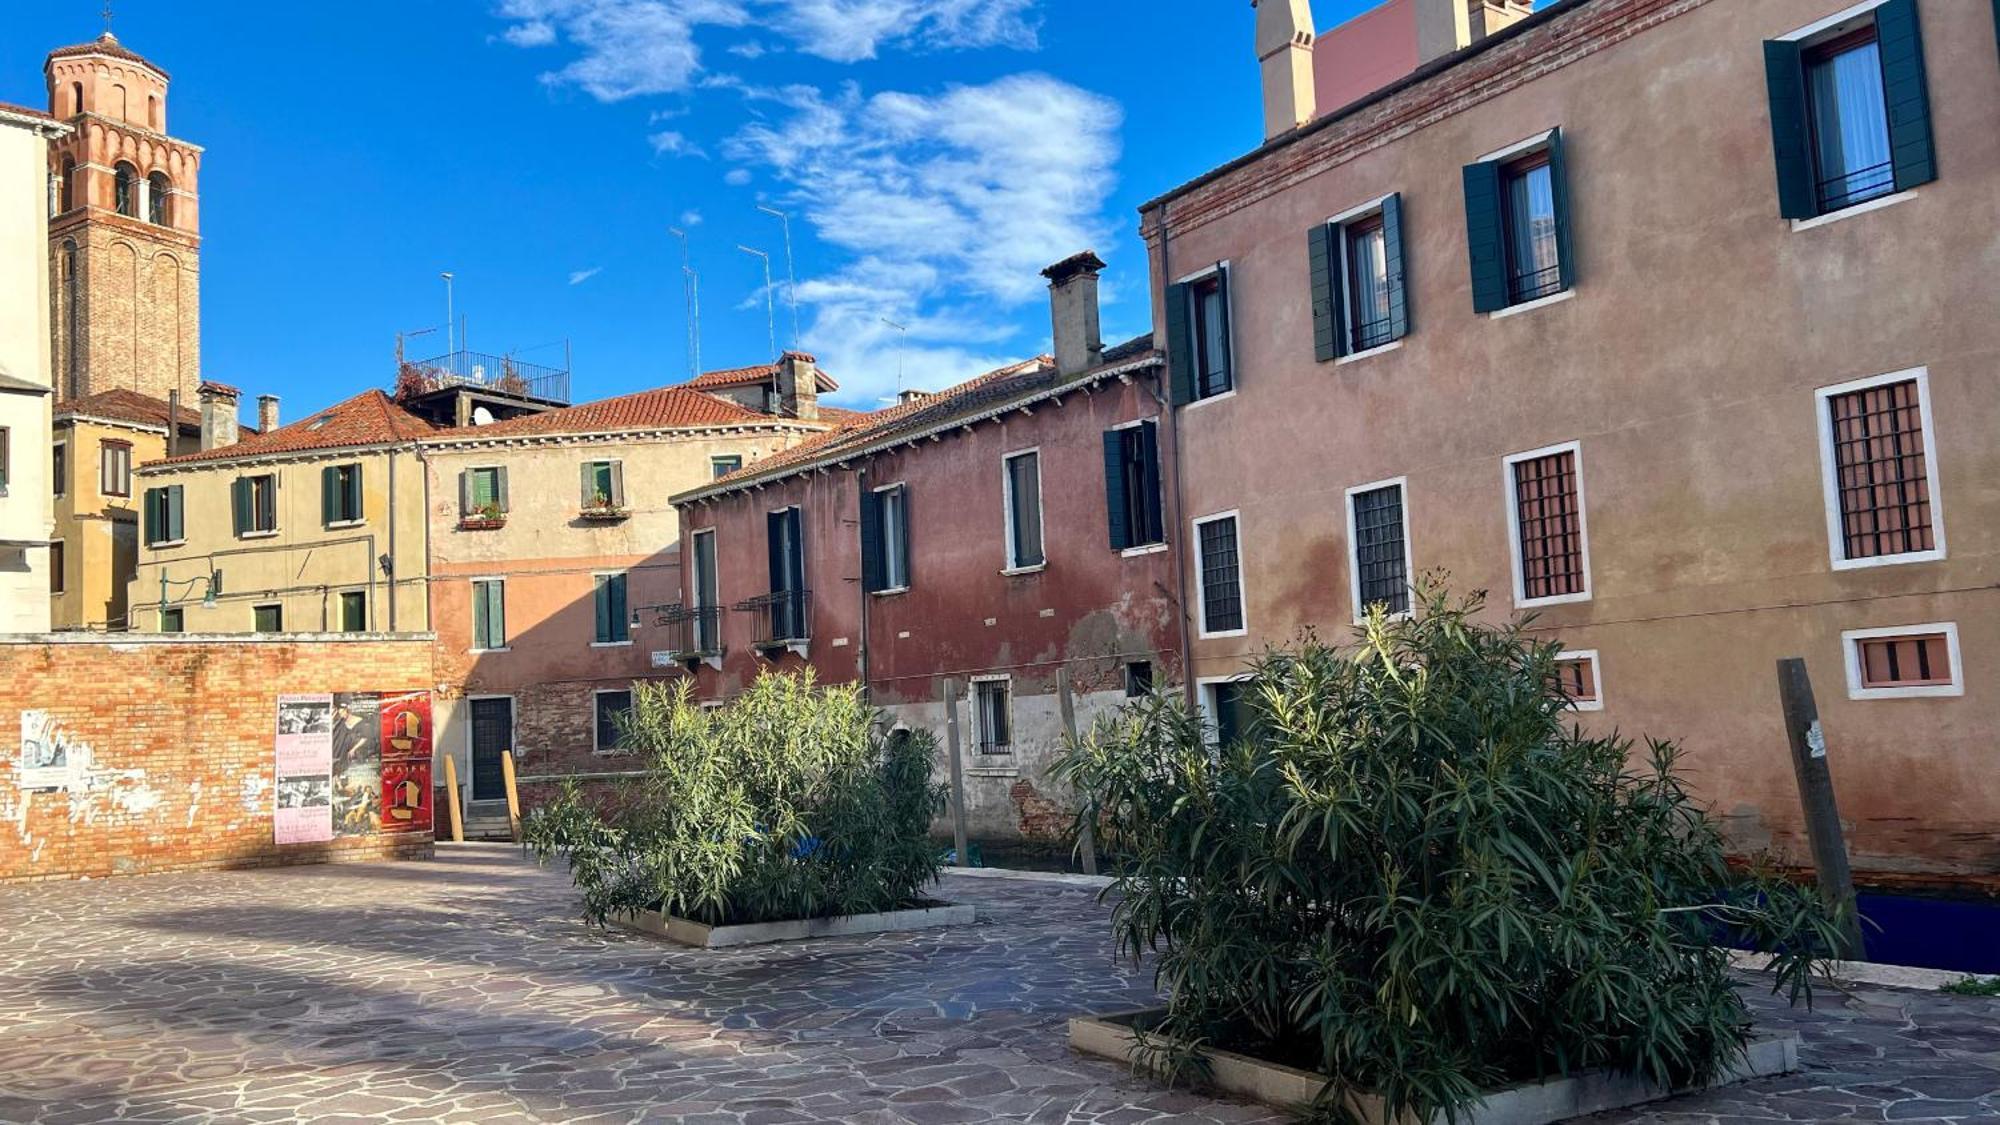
180,735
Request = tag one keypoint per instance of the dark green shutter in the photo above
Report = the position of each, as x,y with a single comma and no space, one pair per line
464,493
1392,257
354,493
1228,341
1117,513
1180,345
176,518
500,488
619,621
239,503
1322,270
152,515
587,484
1784,78
1906,93
1485,240
872,576
774,541
603,607
1996,22
329,494
1149,456
1559,189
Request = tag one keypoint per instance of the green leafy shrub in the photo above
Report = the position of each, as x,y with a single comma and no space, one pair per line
785,804
1973,986
1414,875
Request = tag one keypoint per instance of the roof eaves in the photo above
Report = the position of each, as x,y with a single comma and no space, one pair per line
208,458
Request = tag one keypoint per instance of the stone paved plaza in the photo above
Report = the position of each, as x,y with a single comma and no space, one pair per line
466,990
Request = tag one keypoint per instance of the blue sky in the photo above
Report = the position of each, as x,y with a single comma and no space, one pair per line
933,154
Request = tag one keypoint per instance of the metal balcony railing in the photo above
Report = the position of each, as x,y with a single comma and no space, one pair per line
781,617
478,370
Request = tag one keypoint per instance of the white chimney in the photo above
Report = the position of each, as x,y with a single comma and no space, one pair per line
1285,56
218,414
1079,342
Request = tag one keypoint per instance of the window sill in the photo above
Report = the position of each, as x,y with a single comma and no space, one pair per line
484,651
1555,599
1586,705
166,544
345,523
1526,306
611,644
892,592
1927,691
992,771
1146,549
1875,204
272,534
1206,635
1357,357
1230,393
1015,571
1936,555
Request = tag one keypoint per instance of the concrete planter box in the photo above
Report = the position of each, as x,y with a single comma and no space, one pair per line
849,925
1534,1103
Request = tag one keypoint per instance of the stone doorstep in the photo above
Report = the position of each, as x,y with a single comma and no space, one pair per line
1535,1103
686,932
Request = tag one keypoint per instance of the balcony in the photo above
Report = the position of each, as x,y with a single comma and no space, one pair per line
692,635
782,620
495,374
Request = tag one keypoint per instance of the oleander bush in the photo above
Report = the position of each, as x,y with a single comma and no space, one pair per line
1414,874
787,803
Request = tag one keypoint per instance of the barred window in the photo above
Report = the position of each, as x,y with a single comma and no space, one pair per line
1381,554
1221,576
1904,661
1881,473
1576,675
1548,512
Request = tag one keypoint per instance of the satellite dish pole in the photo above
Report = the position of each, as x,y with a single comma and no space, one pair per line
691,289
901,342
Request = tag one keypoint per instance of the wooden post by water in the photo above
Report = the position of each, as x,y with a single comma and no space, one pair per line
513,796
451,795
1829,844
1086,840
958,843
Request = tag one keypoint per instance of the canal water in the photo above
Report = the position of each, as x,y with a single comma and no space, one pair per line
1932,933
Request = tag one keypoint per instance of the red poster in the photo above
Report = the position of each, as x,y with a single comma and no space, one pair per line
406,727
406,796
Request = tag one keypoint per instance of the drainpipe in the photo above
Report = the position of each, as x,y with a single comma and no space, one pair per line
1180,511
861,651
393,561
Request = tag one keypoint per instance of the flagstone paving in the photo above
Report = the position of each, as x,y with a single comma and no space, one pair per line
466,990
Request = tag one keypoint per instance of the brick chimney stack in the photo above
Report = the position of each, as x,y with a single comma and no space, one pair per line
1079,342
1285,55
218,414
267,413
798,386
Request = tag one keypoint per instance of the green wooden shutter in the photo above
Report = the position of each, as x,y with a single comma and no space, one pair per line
1906,93
618,484
152,515
176,528
329,494
354,501
1117,512
1559,188
1392,256
479,615
465,504
496,615
1228,340
1485,240
587,483
500,488
1149,453
602,604
1784,79
1180,345
239,504
620,624
1323,278
872,576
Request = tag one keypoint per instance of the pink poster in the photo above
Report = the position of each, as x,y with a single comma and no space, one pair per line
304,813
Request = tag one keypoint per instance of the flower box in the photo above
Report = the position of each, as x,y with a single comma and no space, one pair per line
920,916
482,523
605,514
1530,1103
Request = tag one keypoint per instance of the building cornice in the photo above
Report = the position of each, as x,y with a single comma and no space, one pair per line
70,418
282,457
474,440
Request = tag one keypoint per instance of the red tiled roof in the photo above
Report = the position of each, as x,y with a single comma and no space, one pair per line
368,418
660,408
760,373
10,107
121,405
105,44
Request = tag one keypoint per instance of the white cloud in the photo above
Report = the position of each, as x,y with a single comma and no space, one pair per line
630,47
690,218
749,49
672,142
534,33
736,177
578,277
849,30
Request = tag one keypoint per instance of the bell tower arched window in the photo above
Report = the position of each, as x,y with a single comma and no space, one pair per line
75,98
152,112
66,189
125,190
156,198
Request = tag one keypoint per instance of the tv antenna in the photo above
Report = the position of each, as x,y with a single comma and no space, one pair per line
791,274
770,303
691,287
901,342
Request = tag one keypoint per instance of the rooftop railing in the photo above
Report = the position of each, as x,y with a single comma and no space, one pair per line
481,371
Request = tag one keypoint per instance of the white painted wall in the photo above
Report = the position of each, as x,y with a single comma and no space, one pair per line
27,509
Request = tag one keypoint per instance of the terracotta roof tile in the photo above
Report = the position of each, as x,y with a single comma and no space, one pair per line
660,408
368,418
121,405
744,376
10,107
105,44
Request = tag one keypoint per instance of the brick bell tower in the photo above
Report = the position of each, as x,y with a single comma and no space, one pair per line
124,242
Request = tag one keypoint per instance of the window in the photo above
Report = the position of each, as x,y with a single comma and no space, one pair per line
1138,678
267,618
340,494
125,191
1576,675
1875,451
719,467
1024,510
489,614
59,467
1903,662
704,590
613,626
1850,110
114,468
784,534
1357,280
603,486
1221,575
57,579
158,190
482,493
1227,713
992,717
164,514
1545,520
1132,486
173,620
75,98
610,706
1378,536
1198,347
4,462
885,539
1517,225
66,187
353,611
254,505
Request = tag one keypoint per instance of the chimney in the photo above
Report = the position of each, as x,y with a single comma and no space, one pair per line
267,413
218,414
798,386
1488,16
1444,26
1073,312
1285,56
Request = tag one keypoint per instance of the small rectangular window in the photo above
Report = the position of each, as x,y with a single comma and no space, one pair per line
114,464
1024,511
1138,678
173,620
255,500
706,595
163,515
353,611
1545,508
57,580
268,618
1221,573
59,468
722,466
1378,536
340,494
992,716
1132,486
1534,268
1903,662
1517,224
1880,486
603,487
885,547
1850,120
5,454
613,627
1576,676
483,493
611,707
1227,716
489,614
1211,336
1367,284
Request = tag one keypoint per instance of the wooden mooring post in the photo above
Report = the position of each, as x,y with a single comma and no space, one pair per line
1822,814
451,796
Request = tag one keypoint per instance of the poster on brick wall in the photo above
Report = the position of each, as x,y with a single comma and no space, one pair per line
357,763
45,752
406,762
304,813
406,796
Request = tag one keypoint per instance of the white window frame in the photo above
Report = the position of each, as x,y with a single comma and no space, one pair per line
1339,224
1146,548
1571,656
1229,315
979,713
1837,24
1204,698
472,584
1830,473
1200,566
1507,463
596,586
1850,643
617,475
1402,485
694,568
596,746
1007,511
903,527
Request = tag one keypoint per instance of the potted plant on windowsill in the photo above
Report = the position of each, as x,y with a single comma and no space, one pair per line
602,507
486,517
